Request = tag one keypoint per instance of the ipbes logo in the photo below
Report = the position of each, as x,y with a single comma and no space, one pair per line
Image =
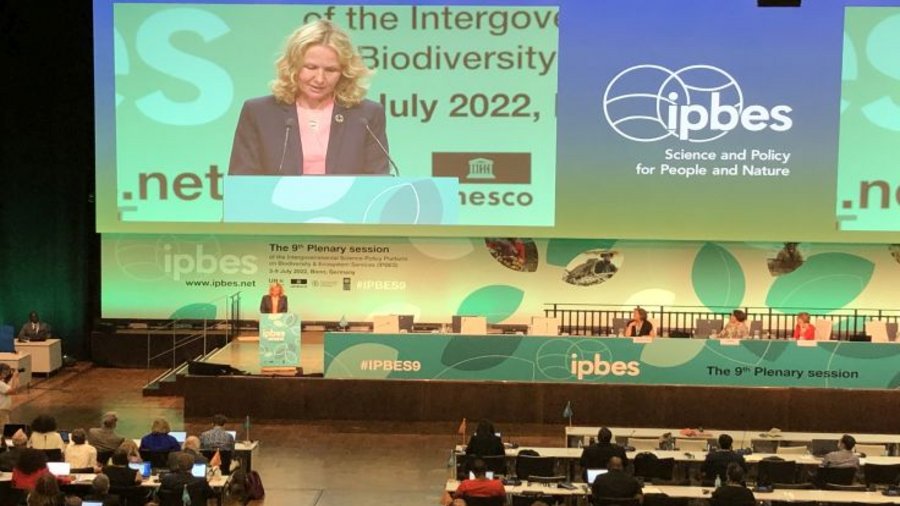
600,367
698,103
198,262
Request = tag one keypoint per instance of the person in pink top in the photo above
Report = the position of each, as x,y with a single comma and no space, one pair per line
317,120
804,329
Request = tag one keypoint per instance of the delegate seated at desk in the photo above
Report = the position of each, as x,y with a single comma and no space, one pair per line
616,483
733,492
639,324
34,329
717,461
843,456
181,477
481,485
597,455
736,327
485,442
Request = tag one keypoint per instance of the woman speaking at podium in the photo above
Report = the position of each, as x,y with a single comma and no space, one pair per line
317,120
275,301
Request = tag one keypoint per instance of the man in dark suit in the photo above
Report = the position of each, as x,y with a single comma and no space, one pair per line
717,461
597,455
615,483
174,483
34,329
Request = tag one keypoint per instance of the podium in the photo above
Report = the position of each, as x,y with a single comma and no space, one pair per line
342,199
469,325
279,341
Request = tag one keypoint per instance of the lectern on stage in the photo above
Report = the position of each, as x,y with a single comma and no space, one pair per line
279,342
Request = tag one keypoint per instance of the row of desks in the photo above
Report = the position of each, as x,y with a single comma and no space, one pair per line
821,496
576,435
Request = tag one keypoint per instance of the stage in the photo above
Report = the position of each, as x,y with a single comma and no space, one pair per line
542,402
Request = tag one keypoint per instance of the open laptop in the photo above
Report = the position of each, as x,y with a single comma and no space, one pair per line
11,428
489,475
592,474
179,436
59,468
91,503
233,433
199,471
64,434
143,467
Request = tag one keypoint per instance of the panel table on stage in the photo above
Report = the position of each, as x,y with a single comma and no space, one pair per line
704,493
18,361
46,356
576,435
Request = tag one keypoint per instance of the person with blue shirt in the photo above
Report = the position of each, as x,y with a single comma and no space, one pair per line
159,439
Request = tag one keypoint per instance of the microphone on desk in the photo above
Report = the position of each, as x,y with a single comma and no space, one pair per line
384,150
288,125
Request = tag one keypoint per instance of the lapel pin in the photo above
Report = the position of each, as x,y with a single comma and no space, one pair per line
339,118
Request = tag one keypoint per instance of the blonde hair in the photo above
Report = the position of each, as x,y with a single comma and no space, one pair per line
276,285
160,426
130,447
352,85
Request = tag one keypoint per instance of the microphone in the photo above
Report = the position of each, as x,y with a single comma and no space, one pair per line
384,150
288,125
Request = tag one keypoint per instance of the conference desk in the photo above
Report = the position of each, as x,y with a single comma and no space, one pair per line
742,438
704,493
46,356
243,451
570,456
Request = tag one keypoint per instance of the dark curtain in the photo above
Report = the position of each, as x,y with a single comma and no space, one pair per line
49,255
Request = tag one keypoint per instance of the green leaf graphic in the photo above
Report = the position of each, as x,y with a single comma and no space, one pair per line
895,383
495,302
717,278
472,354
827,280
199,311
561,251
671,352
346,363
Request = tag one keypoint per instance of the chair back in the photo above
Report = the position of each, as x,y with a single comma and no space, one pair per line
157,460
692,444
892,331
877,330
616,501
871,450
173,497
642,444
776,471
54,455
880,474
485,501
103,456
706,328
225,455
495,464
134,495
529,499
528,466
823,329
645,465
664,469
836,475
792,450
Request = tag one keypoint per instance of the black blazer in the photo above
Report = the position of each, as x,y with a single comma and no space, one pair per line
265,305
485,446
645,330
259,140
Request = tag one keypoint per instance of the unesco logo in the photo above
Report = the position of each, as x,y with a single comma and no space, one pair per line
698,103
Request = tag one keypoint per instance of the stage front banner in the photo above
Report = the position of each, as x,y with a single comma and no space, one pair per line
279,340
750,363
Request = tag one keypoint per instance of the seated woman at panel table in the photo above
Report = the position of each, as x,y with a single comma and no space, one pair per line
639,324
485,442
159,439
804,329
733,492
736,327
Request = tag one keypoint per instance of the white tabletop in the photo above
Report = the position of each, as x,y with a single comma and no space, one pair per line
739,435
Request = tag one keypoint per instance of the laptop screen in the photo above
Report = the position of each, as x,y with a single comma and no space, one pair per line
64,434
488,474
91,503
233,433
592,474
179,436
143,467
199,471
59,468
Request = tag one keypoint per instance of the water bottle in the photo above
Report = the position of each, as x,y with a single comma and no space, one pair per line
718,481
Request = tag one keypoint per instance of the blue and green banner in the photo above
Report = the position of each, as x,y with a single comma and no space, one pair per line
279,340
748,363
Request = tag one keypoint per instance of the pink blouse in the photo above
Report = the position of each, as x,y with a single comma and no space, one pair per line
315,129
